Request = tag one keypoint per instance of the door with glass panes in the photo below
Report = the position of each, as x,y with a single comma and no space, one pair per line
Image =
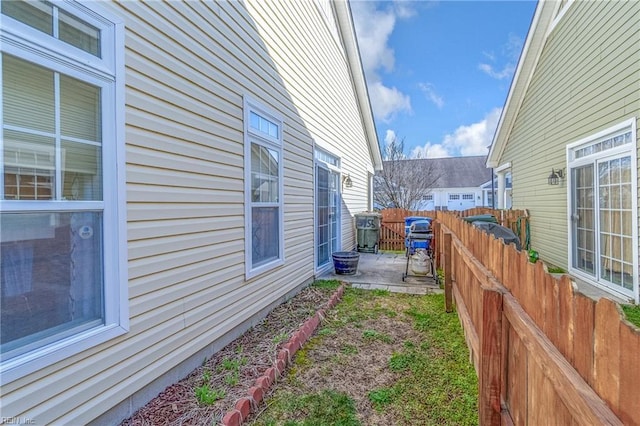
601,220
327,214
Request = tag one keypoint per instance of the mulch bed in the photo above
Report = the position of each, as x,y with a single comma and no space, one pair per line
252,353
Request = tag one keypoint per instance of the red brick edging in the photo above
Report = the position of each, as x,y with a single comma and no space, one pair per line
244,406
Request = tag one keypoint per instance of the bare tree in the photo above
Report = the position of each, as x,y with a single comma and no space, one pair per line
404,181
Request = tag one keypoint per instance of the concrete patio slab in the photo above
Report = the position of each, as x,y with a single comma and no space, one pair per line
384,271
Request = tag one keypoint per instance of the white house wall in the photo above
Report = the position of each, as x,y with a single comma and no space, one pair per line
441,197
188,66
326,104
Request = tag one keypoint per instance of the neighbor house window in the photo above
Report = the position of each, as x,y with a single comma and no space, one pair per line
603,206
263,188
61,269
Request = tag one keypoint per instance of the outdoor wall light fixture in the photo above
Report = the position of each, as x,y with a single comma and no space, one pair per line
555,176
346,181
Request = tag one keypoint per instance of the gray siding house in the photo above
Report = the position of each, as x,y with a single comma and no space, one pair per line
454,183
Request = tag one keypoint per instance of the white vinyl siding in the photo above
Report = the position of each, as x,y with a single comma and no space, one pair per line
189,66
321,94
573,93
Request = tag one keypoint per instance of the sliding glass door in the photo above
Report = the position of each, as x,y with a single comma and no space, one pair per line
602,199
327,215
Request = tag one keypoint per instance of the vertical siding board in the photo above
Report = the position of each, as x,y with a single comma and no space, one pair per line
539,395
630,377
517,382
498,249
538,299
583,337
607,352
565,318
551,309
490,357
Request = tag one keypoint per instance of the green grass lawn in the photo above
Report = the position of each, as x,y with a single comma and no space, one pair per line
632,312
380,358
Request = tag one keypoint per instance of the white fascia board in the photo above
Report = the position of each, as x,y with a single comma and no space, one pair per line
350,42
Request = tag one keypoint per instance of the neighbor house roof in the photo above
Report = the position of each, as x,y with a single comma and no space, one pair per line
456,172
542,22
350,42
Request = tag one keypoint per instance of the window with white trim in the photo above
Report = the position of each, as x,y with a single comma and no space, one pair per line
603,205
263,189
62,275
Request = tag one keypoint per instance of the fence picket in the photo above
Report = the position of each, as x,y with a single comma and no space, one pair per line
565,317
559,353
607,352
630,348
550,295
583,336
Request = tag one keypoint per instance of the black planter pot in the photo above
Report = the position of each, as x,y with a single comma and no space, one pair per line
346,262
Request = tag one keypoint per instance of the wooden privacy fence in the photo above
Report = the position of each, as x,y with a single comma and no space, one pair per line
544,353
392,227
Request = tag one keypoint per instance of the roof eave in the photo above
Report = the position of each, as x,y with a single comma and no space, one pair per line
536,37
350,42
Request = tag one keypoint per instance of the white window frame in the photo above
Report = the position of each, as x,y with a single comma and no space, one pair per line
334,165
107,72
627,149
275,143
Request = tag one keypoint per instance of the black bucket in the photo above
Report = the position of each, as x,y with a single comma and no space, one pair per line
346,262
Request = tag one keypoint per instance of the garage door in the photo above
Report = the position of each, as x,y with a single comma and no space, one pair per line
461,201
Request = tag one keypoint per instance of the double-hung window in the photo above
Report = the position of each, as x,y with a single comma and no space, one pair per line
62,275
264,241
603,209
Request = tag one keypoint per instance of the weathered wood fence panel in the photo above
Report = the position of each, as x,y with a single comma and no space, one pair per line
544,353
392,229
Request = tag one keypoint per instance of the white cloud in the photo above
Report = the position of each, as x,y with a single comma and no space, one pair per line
430,150
510,52
490,56
473,139
505,72
387,102
429,91
404,9
389,136
374,27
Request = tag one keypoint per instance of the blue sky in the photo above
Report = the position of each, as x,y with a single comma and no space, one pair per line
439,72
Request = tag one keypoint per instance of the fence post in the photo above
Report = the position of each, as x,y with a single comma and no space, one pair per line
448,273
490,358
437,241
